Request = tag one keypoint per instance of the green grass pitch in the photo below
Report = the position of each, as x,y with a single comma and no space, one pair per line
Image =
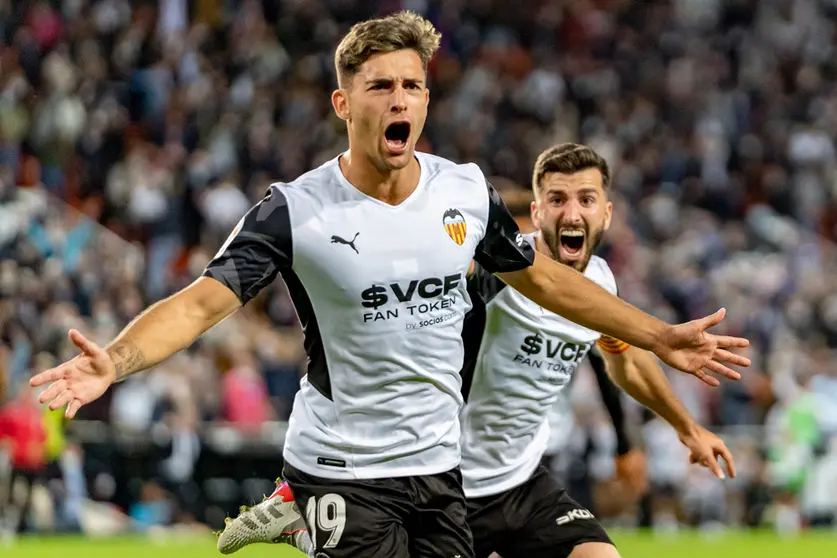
631,545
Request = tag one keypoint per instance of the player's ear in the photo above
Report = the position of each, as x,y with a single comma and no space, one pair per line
340,102
608,215
535,213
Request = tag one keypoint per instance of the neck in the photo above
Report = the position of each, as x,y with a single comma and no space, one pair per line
390,186
540,246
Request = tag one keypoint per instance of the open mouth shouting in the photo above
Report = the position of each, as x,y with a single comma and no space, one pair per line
572,243
397,137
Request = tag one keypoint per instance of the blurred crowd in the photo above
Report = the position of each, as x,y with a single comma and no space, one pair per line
134,134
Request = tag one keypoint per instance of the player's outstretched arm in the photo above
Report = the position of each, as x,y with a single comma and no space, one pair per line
170,326
162,330
565,291
638,373
687,347
630,461
612,400
255,253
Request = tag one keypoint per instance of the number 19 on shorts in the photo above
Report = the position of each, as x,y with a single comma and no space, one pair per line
328,513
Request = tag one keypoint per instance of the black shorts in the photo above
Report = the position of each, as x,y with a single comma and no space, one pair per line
412,517
537,519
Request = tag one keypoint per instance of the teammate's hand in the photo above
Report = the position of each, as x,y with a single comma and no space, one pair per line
630,470
705,448
78,381
688,347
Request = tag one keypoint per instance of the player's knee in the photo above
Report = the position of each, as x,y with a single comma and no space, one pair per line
594,550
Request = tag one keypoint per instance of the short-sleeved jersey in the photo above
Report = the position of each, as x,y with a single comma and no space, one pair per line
525,356
381,294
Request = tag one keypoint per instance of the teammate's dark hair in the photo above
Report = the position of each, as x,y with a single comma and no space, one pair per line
403,30
569,158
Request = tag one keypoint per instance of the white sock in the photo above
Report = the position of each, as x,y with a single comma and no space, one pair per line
303,543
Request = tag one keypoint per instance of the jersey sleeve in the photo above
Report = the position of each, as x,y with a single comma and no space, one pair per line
259,248
608,279
503,248
605,342
484,285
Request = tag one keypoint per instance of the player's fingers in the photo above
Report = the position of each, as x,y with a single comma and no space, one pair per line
716,367
722,355
724,452
47,376
86,345
706,378
72,408
713,319
52,391
63,398
711,462
731,342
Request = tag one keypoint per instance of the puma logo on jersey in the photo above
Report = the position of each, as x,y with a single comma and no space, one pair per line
340,240
572,515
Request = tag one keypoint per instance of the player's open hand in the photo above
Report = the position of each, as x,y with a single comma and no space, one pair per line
630,470
705,448
690,348
78,381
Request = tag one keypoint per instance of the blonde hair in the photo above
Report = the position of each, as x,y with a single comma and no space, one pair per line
569,158
403,30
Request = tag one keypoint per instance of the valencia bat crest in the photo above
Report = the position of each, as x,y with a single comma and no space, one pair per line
455,225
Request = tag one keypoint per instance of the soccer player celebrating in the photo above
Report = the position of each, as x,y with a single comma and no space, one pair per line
525,359
374,247
519,360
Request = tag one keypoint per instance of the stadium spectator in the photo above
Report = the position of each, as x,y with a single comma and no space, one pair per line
22,432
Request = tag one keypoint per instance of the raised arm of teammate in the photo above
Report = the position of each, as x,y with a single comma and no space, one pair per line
630,461
252,257
639,374
612,400
687,347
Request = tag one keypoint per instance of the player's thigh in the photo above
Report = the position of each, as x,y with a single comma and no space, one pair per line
552,524
488,524
594,550
439,526
351,518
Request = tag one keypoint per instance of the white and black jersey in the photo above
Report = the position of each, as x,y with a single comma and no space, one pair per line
381,293
520,357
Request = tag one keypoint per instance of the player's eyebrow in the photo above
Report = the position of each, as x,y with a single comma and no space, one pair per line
388,81
555,192
564,192
379,81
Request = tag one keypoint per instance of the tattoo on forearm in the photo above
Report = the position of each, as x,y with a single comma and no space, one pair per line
128,359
